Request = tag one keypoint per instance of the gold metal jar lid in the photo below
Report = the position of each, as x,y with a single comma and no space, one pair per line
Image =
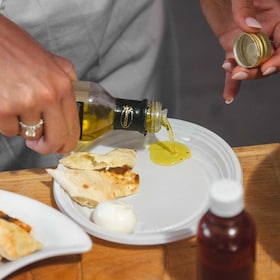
251,49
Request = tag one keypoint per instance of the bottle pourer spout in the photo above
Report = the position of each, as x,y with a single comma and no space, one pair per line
157,116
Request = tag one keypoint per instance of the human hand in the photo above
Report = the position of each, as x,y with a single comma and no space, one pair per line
34,85
228,19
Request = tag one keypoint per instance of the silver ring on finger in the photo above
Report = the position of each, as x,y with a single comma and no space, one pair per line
30,130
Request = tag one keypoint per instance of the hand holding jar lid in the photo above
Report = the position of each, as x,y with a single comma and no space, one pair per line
252,18
252,49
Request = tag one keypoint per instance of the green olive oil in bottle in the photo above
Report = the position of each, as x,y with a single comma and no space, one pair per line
100,112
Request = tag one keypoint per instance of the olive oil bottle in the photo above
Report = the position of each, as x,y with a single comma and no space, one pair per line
100,112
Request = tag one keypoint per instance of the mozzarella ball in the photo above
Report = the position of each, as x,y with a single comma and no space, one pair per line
115,215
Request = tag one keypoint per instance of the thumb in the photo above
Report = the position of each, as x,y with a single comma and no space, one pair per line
245,16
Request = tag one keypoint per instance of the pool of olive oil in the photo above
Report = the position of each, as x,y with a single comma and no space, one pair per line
168,152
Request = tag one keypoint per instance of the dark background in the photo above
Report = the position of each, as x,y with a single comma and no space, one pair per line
253,117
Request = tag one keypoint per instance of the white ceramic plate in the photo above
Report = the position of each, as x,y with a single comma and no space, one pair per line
58,234
170,199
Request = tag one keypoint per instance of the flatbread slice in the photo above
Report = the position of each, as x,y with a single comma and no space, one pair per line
124,158
90,187
16,221
15,240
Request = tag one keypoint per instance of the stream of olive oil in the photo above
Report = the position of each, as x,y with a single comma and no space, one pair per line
168,152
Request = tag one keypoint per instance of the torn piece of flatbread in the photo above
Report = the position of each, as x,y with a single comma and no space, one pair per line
90,187
16,240
124,158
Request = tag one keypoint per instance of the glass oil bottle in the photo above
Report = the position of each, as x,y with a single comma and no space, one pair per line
100,112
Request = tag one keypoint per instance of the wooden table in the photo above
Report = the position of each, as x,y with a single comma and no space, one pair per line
261,167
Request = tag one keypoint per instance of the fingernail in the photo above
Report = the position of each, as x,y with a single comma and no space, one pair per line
240,76
227,66
229,101
252,22
269,70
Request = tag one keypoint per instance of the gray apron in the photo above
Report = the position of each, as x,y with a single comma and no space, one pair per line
125,45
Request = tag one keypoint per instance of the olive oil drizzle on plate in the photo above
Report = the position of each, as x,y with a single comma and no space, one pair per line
168,152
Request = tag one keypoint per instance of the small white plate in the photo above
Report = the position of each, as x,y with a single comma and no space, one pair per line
58,234
170,199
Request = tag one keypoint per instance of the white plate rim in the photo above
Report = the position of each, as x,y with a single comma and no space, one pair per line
81,244
184,231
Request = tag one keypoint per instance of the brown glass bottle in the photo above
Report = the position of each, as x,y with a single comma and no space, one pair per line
226,236
100,112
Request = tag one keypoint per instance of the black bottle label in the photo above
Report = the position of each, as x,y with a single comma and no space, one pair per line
131,115
81,115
